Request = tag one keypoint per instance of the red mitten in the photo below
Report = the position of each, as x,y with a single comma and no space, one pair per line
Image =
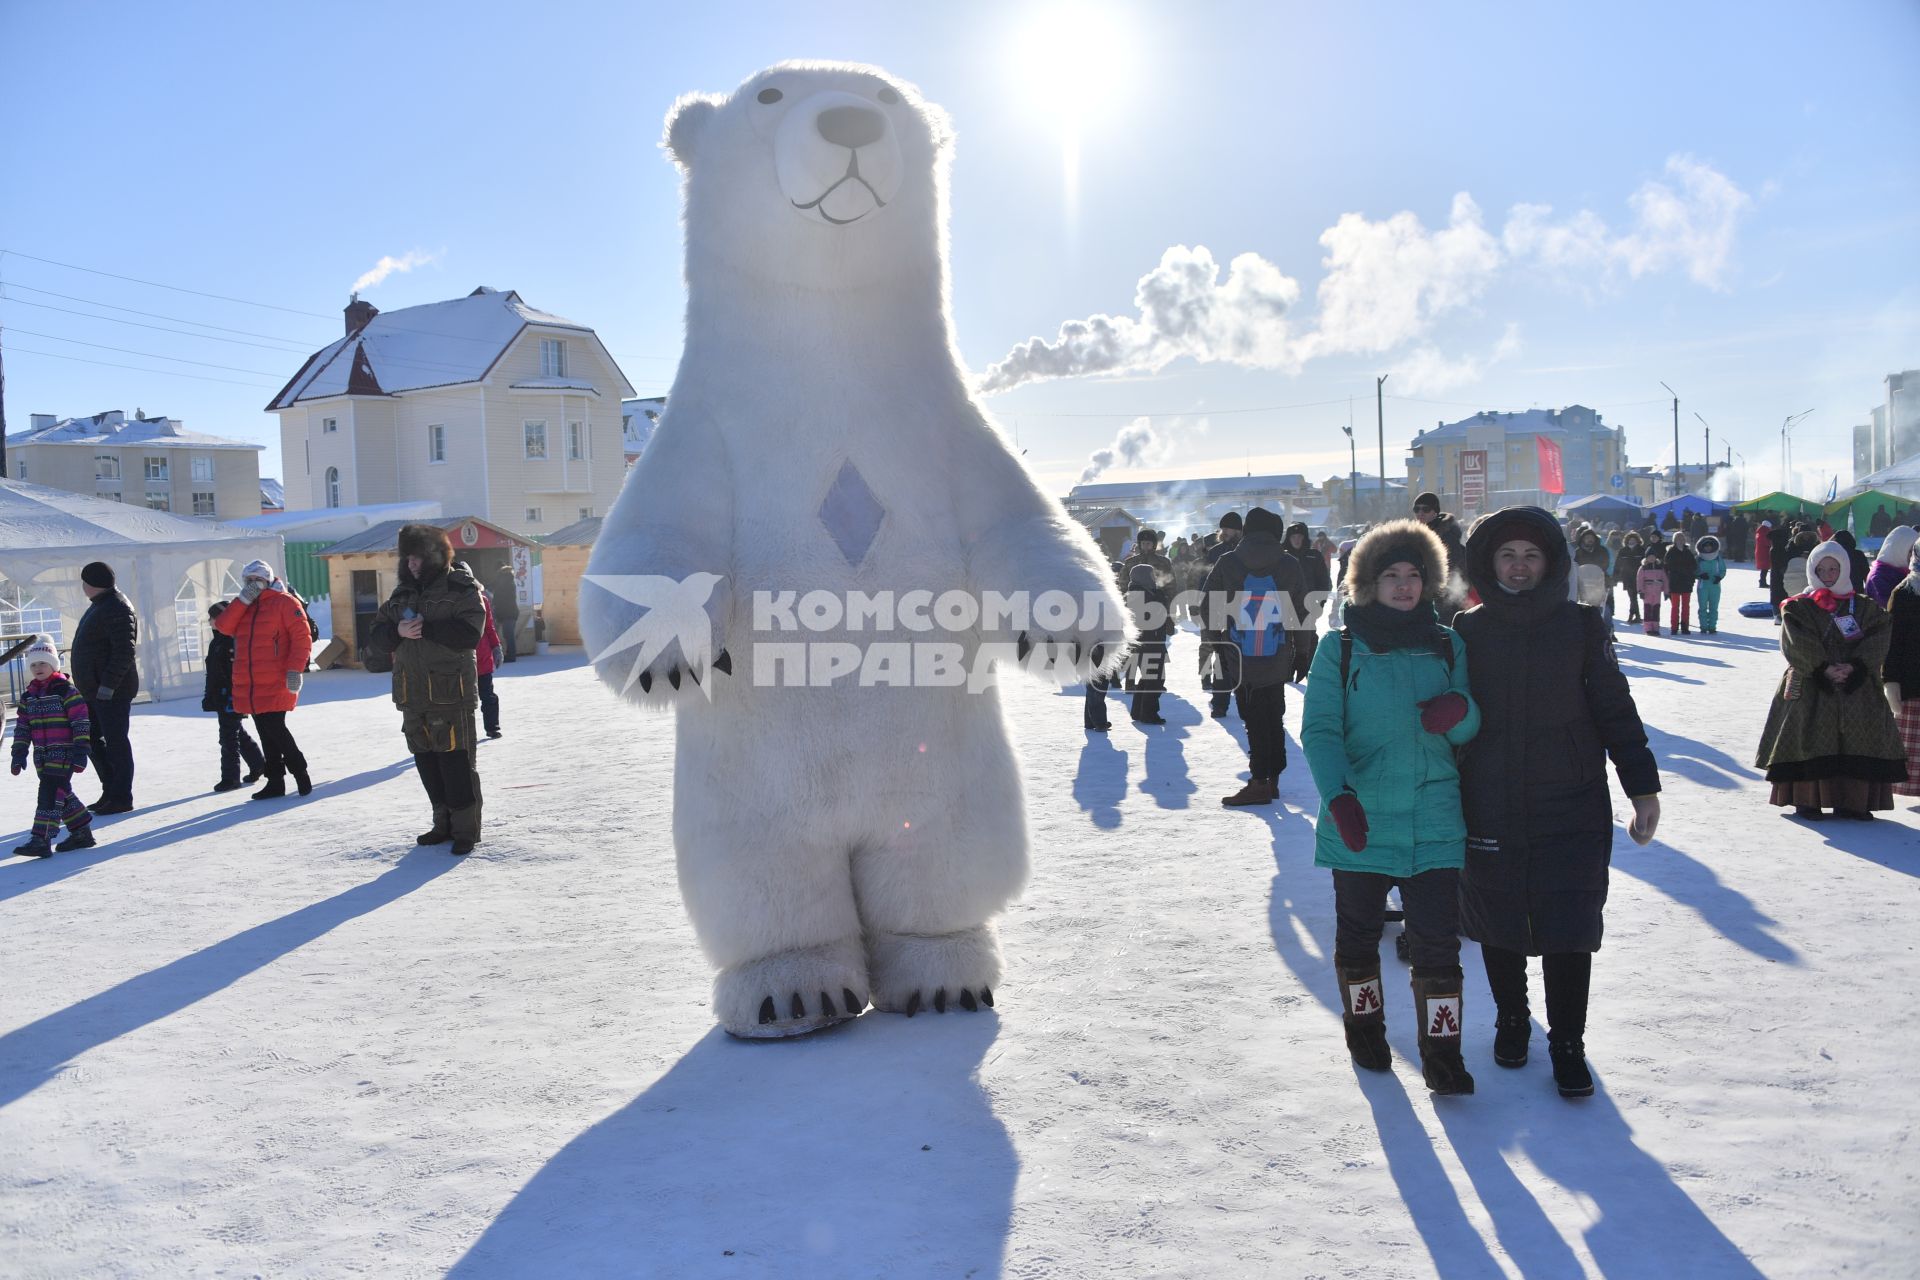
1437,715
1351,819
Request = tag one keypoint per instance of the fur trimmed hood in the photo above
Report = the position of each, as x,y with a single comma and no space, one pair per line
1392,542
431,544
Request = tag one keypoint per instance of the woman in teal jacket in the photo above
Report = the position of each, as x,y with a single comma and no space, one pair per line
1387,703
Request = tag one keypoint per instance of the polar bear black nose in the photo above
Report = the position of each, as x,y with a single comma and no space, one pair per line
851,126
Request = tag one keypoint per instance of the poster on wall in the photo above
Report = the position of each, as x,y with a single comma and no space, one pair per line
1473,482
522,575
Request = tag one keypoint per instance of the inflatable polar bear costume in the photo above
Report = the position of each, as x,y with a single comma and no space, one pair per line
850,841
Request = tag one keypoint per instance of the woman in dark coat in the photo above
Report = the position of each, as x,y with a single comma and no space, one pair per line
1902,672
1554,707
1798,547
1830,739
1150,599
1626,567
1317,580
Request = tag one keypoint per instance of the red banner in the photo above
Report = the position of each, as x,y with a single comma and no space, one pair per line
1551,478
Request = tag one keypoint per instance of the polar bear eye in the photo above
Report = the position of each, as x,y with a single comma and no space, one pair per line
888,96
771,96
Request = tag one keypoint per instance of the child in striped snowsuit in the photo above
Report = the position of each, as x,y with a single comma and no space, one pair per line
53,721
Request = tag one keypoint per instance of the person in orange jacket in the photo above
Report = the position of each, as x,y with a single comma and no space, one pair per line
272,647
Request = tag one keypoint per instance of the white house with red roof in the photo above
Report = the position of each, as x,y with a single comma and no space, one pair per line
483,403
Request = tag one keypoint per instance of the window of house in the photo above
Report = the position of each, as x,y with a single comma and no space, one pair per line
553,358
159,502
533,515
329,425
576,441
157,469
333,486
537,439
203,504
203,468
586,513
106,466
437,442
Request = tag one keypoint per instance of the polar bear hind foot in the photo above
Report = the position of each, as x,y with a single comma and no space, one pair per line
791,993
911,972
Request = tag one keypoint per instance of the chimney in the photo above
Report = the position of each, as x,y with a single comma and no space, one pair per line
359,314
43,420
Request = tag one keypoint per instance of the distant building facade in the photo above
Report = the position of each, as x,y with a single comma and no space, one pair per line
1178,507
146,462
1593,456
482,403
1891,433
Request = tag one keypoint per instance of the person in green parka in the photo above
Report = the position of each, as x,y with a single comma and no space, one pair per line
1712,572
1387,703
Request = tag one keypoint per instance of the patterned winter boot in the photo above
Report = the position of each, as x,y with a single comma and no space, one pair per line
1437,999
1365,1018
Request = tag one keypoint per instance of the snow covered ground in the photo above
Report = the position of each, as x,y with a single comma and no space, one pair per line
253,1039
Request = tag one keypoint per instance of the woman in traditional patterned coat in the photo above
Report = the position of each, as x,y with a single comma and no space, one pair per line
1830,740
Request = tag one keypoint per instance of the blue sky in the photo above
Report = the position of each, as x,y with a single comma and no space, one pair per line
1734,192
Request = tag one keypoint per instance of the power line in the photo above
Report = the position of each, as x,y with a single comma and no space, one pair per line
146,355
154,284
153,315
171,373
160,328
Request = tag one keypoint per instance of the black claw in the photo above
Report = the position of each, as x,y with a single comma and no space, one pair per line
799,1006
673,676
986,997
1023,646
1076,653
693,674
913,1005
766,1011
940,1000
826,1004
646,682
968,1003
854,1003
724,662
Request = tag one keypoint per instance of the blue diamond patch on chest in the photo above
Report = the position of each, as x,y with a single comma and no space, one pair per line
851,514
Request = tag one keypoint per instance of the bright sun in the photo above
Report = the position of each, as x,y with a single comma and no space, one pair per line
1074,60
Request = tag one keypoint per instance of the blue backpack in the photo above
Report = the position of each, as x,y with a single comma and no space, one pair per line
1257,628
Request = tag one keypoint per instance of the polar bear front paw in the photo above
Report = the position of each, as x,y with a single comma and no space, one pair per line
791,993
912,972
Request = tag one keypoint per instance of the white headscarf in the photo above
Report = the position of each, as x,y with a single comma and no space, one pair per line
1843,585
1899,544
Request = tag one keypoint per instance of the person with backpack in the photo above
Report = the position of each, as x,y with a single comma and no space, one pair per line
1250,594
236,743
1387,707
1711,572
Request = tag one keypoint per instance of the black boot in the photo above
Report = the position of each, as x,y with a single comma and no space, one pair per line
1365,1018
275,788
80,837
1570,1071
1438,1001
33,849
228,784
1511,1034
441,831
300,778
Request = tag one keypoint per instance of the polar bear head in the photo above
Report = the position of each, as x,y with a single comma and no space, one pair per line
825,176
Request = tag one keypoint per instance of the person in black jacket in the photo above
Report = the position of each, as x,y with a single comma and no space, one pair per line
1150,599
1554,705
235,742
1426,509
1683,571
1227,671
1250,598
108,677
1316,588
1858,565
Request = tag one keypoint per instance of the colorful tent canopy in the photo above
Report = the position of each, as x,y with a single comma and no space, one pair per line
1686,504
1784,502
1860,508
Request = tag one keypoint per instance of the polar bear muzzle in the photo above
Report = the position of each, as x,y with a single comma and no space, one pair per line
837,158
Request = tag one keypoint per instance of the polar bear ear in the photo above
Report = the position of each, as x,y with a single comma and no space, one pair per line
685,123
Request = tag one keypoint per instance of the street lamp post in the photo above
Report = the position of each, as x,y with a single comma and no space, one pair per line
1787,425
1353,477
1380,419
1676,439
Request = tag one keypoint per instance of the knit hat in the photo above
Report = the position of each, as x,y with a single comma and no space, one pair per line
1830,550
1428,499
98,574
1261,520
1231,520
258,569
42,650
1520,529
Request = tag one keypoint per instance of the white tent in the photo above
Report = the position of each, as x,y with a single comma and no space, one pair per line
1902,478
171,567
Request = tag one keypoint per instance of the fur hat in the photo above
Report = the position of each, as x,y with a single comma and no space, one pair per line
42,650
1395,542
258,569
428,542
98,574
1231,520
1830,550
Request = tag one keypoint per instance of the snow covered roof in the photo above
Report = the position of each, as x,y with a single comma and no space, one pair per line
35,516
385,536
1231,485
1527,422
1908,471
436,344
581,533
638,419
272,493
114,428
317,523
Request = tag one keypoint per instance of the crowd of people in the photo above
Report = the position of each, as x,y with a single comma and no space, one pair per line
1462,703
436,634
